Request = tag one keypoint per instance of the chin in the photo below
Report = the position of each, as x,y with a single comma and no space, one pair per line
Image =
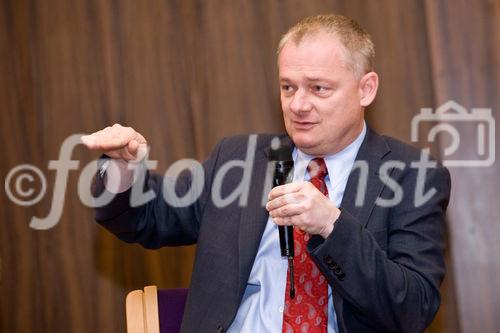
304,142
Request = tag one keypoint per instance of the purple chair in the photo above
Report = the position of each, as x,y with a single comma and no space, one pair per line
171,303
155,311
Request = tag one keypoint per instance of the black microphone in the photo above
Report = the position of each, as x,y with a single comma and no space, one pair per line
283,174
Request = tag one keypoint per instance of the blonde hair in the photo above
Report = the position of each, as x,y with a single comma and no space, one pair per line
359,50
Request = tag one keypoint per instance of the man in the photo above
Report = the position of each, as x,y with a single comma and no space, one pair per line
369,249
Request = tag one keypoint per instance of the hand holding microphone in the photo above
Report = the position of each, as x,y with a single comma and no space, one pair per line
299,204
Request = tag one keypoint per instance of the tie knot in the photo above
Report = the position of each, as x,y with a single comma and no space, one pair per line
317,168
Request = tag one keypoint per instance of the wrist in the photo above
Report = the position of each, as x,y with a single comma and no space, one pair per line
119,175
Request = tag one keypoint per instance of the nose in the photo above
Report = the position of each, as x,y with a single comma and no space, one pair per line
300,102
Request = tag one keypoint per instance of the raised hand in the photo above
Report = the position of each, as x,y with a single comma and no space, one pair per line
118,142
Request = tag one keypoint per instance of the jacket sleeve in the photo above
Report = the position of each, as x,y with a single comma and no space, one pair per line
394,289
157,222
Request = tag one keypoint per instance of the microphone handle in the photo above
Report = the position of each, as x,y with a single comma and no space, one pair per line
286,246
286,241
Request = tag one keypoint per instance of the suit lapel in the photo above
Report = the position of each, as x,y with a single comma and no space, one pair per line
371,153
370,156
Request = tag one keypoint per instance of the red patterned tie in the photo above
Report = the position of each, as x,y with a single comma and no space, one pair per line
308,311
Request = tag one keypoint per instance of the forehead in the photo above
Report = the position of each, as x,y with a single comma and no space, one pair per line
318,54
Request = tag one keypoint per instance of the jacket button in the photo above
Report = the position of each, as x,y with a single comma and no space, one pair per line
220,329
332,265
328,259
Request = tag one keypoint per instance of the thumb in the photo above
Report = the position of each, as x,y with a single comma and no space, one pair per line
137,150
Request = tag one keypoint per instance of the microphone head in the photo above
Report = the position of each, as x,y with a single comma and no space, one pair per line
281,156
280,153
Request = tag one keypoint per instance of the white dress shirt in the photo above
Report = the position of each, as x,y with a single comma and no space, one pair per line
261,309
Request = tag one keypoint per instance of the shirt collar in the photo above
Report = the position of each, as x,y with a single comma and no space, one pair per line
339,165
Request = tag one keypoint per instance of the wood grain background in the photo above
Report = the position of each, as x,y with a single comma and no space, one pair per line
185,74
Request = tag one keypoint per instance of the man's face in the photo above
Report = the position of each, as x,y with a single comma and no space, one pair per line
320,95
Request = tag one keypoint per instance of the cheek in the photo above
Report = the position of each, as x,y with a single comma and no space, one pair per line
285,108
338,105
283,99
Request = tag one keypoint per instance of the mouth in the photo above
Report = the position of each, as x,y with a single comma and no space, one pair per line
303,125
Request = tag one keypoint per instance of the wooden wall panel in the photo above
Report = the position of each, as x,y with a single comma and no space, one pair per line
185,74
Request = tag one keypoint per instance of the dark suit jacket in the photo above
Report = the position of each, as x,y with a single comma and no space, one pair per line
385,264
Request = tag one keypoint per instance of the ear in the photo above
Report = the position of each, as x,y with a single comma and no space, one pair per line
368,86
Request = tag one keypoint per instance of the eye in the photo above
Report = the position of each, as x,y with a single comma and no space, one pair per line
287,89
321,90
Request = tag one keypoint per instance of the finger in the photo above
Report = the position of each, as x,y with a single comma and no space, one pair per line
116,139
142,151
114,154
87,140
111,138
91,140
138,150
139,138
284,189
287,211
285,199
134,151
282,221
132,147
126,154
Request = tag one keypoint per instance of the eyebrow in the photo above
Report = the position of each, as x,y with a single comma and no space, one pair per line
309,79
315,79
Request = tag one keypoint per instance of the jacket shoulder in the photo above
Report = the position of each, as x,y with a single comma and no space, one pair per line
239,145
